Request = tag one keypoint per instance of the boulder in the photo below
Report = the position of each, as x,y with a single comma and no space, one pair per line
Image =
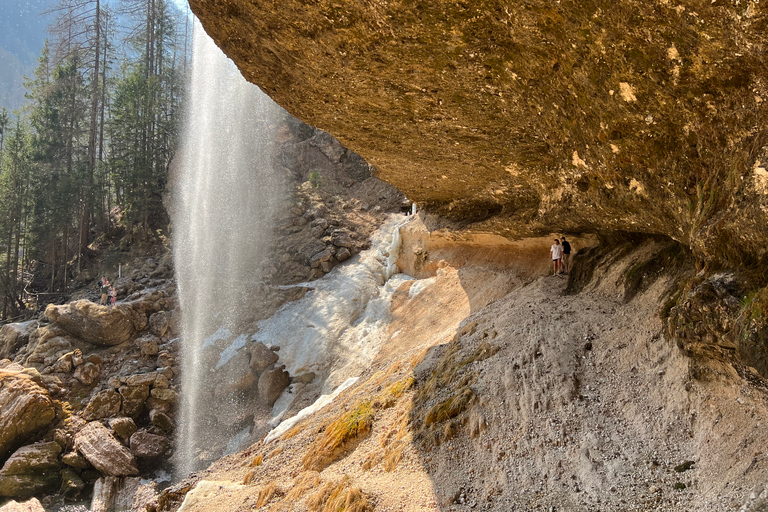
62,365
161,420
25,409
14,336
96,443
31,470
148,345
272,383
149,446
341,239
77,357
343,254
261,356
87,373
166,395
124,494
159,323
320,257
32,505
75,460
104,491
71,483
99,325
141,379
133,399
161,382
123,427
106,404
154,404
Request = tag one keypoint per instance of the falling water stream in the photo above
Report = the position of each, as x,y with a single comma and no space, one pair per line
224,204
226,197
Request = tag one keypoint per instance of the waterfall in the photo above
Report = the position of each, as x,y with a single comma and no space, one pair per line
225,197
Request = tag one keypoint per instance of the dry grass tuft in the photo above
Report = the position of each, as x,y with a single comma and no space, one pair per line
371,460
390,395
339,497
293,432
275,452
266,493
393,455
341,437
249,477
304,482
257,460
449,408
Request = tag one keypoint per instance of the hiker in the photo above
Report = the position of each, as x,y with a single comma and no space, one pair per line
112,296
104,289
557,252
566,260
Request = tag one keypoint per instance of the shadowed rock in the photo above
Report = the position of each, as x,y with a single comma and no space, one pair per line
31,470
518,116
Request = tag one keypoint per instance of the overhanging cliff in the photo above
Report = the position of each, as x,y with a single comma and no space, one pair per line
524,117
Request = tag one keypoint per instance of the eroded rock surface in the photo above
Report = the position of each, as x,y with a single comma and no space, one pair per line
106,453
100,325
524,117
25,408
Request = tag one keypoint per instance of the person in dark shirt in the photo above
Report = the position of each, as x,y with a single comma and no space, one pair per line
104,290
566,261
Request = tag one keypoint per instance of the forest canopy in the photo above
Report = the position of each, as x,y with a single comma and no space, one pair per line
86,158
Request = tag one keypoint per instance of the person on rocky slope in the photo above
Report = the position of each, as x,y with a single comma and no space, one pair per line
557,252
566,259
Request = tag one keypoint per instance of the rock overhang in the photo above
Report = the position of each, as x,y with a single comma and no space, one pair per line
523,118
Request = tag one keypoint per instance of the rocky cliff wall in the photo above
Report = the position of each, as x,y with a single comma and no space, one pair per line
525,117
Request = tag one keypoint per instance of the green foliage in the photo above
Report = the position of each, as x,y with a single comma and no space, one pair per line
314,179
92,138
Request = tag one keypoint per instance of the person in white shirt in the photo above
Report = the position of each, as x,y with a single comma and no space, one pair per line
557,252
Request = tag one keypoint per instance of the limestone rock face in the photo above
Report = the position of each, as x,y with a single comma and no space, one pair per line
523,118
13,336
31,470
99,325
96,443
32,505
25,408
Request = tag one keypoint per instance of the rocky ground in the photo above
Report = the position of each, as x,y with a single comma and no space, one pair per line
89,395
503,392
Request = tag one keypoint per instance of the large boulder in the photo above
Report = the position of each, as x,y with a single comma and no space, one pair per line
99,325
104,452
25,409
31,470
